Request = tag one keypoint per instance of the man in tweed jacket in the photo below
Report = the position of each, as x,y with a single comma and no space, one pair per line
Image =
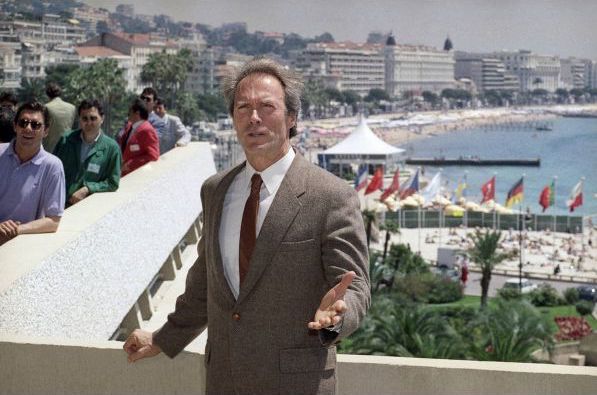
307,283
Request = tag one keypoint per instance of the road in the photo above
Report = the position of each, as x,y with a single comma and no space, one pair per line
473,285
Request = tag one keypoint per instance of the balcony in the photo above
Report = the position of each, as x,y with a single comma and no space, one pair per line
110,268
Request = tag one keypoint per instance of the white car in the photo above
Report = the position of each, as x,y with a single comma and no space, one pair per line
513,283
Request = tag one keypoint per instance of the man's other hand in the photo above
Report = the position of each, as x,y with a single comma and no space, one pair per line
79,195
140,345
332,305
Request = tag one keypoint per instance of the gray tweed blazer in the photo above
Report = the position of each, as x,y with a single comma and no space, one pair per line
260,343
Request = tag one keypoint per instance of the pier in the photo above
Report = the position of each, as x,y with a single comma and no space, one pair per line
473,161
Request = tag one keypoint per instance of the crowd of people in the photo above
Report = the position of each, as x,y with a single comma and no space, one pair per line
53,156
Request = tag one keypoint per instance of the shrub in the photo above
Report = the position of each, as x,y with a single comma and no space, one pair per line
443,290
545,296
584,307
509,294
571,295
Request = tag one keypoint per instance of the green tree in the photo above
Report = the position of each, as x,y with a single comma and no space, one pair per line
376,95
510,331
430,97
102,80
167,73
187,108
59,73
32,89
211,105
484,253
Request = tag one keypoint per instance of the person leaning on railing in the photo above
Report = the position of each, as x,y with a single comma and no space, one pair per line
31,180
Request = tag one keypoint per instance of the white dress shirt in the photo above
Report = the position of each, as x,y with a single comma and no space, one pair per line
234,205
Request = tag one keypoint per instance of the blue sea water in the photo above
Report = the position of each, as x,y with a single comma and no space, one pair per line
569,151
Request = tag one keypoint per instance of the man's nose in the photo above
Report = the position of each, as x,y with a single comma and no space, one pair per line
255,117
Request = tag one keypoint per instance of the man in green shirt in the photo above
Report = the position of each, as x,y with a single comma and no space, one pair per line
91,159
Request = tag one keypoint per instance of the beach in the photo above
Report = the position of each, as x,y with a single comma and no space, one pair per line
401,128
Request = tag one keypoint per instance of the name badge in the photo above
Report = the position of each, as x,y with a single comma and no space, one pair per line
135,147
93,168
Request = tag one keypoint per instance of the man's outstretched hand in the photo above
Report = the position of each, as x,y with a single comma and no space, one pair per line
140,345
332,306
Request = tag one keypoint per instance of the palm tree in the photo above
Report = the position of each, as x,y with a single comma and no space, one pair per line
369,217
391,227
31,89
484,253
510,331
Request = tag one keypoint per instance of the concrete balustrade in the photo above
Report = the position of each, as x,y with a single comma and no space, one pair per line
42,366
81,282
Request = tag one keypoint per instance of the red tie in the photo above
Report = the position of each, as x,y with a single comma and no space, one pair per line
248,227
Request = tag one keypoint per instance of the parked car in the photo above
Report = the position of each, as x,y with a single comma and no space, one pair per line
513,283
587,292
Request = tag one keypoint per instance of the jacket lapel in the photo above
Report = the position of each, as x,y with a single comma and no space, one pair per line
279,218
214,222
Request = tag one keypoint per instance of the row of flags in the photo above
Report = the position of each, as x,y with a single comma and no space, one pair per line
432,190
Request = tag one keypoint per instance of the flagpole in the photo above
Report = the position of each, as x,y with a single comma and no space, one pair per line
521,241
465,211
494,212
440,208
555,221
419,218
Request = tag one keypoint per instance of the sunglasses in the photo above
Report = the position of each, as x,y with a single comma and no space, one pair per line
146,98
23,123
91,118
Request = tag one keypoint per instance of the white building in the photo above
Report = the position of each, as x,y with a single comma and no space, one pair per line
574,73
416,68
10,64
344,65
90,16
486,72
533,71
138,47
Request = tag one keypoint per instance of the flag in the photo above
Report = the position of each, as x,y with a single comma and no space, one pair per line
547,198
360,181
412,186
432,190
460,190
393,188
376,182
575,198
488,190
515,194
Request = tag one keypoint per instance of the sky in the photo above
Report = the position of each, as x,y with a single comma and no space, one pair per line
548,27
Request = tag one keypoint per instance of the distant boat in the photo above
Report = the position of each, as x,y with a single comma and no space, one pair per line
543,128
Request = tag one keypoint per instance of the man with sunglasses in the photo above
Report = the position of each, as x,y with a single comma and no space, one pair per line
91,159
150,97
31,180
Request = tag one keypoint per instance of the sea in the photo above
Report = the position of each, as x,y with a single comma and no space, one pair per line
568,152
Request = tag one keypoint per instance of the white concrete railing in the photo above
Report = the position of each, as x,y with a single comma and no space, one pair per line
80,282
43,366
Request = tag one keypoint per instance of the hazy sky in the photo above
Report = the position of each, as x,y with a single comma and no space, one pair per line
550,27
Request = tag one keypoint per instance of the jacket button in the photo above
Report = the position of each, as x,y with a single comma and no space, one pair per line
236,317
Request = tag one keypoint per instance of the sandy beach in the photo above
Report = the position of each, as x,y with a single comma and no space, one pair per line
574,254
401,128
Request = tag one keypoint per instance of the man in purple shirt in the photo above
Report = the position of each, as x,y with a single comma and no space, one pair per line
31,180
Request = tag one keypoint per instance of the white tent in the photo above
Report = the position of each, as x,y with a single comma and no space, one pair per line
361,146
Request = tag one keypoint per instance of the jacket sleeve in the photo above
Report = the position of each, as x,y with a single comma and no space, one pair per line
150,147
190,315
344,249
112,180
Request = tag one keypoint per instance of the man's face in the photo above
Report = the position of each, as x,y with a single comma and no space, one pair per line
90,120
260,118
30,130
160,110
149,101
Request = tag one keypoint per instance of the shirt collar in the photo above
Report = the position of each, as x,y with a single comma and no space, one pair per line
36,160
272,176
94,140
136,124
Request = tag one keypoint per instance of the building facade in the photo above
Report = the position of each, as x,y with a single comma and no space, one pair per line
534,71
486,72
417,68
344,65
